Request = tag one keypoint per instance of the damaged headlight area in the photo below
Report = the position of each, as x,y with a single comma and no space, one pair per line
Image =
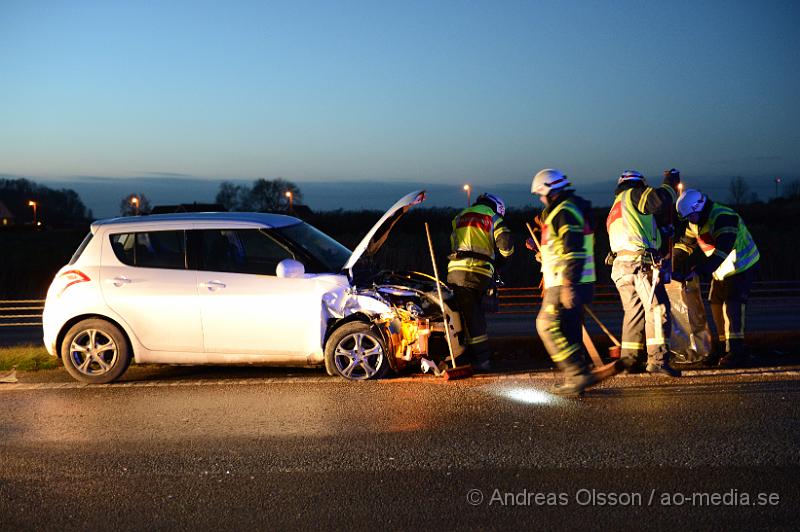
404,309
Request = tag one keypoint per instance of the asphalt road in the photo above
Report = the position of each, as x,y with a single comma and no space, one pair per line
185,448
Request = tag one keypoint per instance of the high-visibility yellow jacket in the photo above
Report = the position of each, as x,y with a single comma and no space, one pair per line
724,239
567,245
477,232
631,222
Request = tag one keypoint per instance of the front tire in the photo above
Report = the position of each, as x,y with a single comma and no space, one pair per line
356,352
95,351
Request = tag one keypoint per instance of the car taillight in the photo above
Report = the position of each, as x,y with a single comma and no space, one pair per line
69,278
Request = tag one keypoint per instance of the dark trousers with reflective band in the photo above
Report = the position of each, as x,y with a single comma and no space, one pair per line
646,323
728,299
474,321
560,328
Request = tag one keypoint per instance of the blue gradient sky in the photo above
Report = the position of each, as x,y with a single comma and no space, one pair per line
439,92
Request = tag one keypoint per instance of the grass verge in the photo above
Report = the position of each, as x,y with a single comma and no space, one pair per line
28,357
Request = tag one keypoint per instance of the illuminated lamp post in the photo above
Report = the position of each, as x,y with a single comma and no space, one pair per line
33,204
468,190
289,196
777,182
135,203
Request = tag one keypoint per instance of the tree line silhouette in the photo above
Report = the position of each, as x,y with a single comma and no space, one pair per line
31,258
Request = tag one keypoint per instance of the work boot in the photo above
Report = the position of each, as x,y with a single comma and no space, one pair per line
663,369
717,352
576,378
736,356
630,364
732,360
574,385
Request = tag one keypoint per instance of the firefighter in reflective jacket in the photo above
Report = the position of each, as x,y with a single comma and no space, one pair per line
731,258
480,241
567,256
638,270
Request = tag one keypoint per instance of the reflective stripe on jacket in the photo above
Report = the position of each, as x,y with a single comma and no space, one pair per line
556,256
628,228
476,231
744,253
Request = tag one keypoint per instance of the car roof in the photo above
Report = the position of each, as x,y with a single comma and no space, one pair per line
260,218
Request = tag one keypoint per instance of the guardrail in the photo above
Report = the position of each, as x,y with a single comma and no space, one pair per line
525,300
21,312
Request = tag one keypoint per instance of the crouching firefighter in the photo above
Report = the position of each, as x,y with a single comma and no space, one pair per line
637,271
567,256
731,258
480,241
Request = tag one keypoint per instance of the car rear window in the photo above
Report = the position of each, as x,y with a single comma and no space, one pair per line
153,249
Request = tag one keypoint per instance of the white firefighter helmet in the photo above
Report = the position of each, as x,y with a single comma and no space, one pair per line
690,201
630,175
493,202
548,180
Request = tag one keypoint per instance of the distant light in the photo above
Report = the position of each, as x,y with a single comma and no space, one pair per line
467,187
288,194
529,396
31,203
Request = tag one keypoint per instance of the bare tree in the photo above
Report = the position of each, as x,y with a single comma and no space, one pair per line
270,195
233,197
266,195
739,190
134,204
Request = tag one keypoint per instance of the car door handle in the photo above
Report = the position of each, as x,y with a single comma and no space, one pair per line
212,285
121,280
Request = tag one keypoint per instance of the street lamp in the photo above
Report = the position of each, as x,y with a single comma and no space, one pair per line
468,190
288,194
777,182
32,203
135,203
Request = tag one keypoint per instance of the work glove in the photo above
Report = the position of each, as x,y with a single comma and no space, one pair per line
568,296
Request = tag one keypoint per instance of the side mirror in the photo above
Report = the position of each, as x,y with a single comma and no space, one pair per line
290,268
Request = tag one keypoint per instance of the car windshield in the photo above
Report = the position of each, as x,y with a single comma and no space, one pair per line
331,253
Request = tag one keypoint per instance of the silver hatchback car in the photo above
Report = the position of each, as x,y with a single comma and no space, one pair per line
239,288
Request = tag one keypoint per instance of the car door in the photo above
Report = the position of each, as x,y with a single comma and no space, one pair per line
145,280
245,307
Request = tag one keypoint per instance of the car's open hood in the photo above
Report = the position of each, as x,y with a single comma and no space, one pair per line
377,235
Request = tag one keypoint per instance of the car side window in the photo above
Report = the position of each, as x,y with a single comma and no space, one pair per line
153,249
240,251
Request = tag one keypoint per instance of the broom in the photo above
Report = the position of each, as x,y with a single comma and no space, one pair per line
615,350
601,371
456,372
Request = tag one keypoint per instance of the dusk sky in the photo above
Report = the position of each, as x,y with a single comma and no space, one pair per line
432,92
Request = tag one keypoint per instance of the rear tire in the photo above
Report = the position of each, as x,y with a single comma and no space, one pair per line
95,351
356,352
